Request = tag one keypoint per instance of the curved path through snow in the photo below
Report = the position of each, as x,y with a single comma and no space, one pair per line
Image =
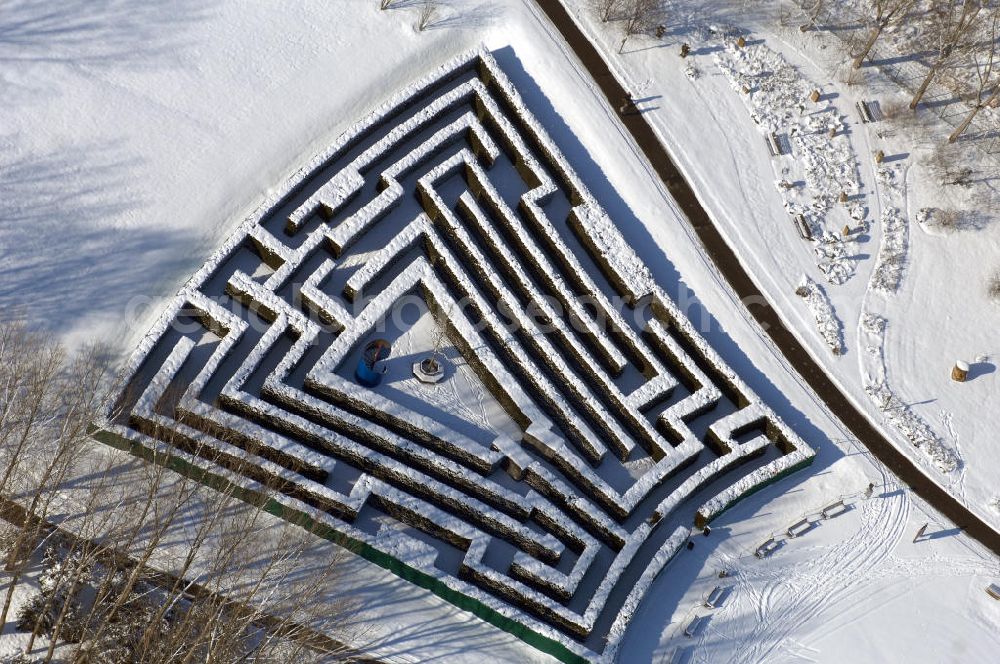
729,267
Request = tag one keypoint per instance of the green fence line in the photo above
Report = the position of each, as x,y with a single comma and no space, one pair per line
538,641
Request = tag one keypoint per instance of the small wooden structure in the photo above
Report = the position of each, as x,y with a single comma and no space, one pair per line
740,42
767,548
694,627
834,509
993,590
774,145
802,227
681,655
714,599
879,156
865,111
846,231
799,528
814,96
843,197
960,372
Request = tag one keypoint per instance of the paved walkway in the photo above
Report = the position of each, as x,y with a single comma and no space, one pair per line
739,280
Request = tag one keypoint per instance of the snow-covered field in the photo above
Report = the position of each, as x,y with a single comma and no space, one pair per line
928,284
139,139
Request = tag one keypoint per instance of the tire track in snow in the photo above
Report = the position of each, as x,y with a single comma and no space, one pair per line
785,608
595,71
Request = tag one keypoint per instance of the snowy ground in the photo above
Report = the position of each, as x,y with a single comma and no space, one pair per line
158,129
927,284
854,587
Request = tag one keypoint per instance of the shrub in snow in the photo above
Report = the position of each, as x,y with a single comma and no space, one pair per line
827,323
993,286
912,427
891,261
775,93
21,658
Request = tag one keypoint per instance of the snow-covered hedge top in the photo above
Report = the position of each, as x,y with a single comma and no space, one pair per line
423,472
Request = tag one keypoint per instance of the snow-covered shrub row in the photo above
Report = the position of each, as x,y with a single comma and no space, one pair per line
912,427
778,98
827,323
897,413
145,418
287,418
833,257
490,607
750,483
390,194
238,431
479,500
891,263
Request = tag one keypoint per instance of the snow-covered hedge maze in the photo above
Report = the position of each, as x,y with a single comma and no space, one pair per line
611,422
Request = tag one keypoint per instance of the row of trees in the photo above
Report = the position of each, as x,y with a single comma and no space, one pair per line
957,33
634,16
98,524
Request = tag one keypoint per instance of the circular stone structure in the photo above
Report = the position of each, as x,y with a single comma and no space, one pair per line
429,370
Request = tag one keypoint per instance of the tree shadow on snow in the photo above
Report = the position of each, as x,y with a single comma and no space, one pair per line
64,258
91,33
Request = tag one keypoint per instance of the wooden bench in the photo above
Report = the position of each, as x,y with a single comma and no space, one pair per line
694,627
681,655
865,111
774,145
799,528
802,227
767,548
834,509
715,597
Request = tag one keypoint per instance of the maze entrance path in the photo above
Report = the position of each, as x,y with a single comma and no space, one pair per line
587,428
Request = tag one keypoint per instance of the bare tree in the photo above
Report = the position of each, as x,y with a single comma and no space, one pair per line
385,4
101,508
640,17
950,24
813,14
265,591
993,286
69,395
883,13
157,515
987,90
947,166
425,15
605,9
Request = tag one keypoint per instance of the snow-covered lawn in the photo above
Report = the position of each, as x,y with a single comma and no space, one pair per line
139,139
927,281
